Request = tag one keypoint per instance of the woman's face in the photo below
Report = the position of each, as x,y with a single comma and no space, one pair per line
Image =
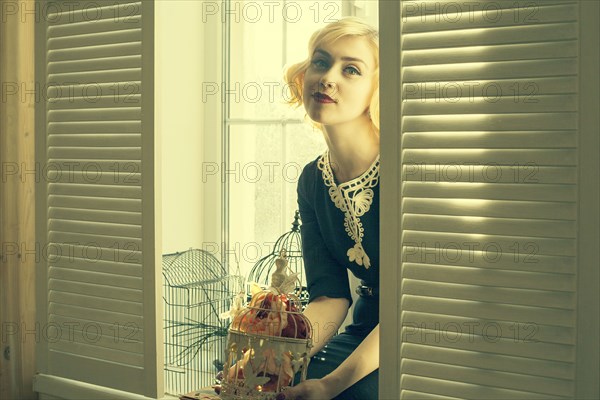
340,81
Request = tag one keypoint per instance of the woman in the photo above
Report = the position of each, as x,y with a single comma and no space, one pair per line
338,196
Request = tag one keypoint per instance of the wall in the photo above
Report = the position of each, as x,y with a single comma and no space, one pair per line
179,120
17,212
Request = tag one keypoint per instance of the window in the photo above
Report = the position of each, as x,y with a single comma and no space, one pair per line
266,143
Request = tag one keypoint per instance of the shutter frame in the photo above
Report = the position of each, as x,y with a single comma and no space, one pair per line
135,281
575,171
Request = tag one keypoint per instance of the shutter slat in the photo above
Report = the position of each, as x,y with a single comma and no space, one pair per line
470,18
121,91
522,382
76,12
96,39
108,317
490,70
517,256
491,172
96,140
409,394
92,173
89,52
96,290
506,312
531,157
98,303
491,278
524,51
498,226
98,352
95,228
95,127
94,153
490,139
465,390
94,203
71,248
130,218
490,36
432,7
495,102
96,64
494,191
523,90
506,363
94,98
96,24
133,333
491,208
500,122
94,77
94,190
103,278
100,335
461,291
100,247
494,341
454,326
494,246
78,267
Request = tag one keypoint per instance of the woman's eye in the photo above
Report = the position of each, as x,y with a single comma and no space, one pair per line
319,63
352,71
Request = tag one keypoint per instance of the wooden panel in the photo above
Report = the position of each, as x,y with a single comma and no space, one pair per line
17,274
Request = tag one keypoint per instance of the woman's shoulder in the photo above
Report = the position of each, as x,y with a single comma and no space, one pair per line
310,174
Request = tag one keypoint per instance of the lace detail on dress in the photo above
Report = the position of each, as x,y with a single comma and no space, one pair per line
354,199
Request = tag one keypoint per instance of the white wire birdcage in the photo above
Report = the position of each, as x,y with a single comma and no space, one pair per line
196,290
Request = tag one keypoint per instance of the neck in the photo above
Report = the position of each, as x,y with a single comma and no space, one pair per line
352,148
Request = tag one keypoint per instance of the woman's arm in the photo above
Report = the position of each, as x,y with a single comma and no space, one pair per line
363,360
326,315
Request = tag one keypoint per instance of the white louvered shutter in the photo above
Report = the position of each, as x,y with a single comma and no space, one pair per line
98,275
488,199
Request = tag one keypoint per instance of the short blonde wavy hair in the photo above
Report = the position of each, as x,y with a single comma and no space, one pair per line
348,26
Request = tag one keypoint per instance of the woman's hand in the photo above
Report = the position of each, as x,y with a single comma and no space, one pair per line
312,389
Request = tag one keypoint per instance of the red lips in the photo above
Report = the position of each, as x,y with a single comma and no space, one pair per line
323,98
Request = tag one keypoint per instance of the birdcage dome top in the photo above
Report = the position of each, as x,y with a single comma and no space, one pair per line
289,243
190,267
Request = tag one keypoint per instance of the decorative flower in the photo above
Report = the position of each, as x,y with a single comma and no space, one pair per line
363,201
358,255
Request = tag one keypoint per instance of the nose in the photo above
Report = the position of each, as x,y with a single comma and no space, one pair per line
328,80
328,83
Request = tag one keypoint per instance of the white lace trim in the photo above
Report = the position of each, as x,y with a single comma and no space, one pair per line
354,199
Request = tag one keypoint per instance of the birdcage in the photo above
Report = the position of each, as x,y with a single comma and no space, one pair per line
291,243
269,340
197,289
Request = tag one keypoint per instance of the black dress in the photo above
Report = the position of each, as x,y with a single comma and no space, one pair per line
340,230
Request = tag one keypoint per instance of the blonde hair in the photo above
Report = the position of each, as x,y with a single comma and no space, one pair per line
348,26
